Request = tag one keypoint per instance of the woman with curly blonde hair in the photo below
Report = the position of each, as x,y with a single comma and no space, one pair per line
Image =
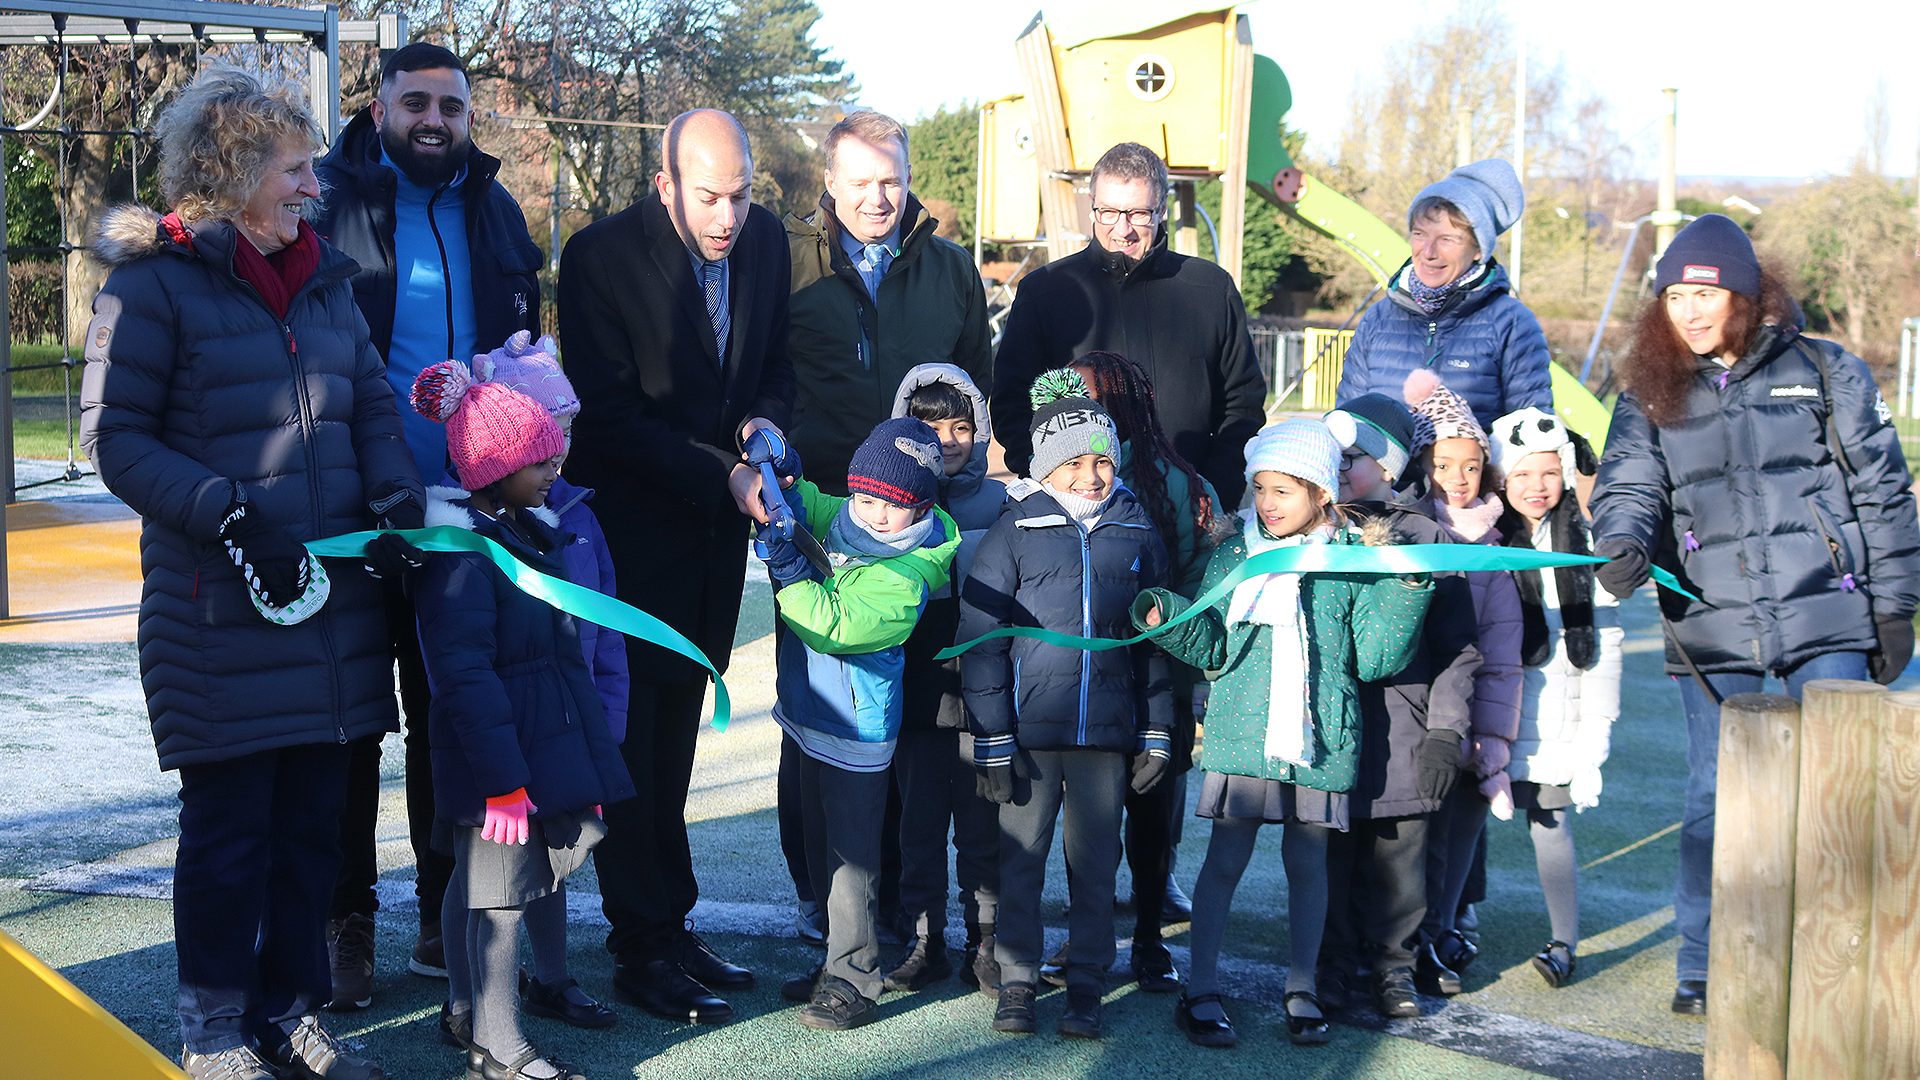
232,398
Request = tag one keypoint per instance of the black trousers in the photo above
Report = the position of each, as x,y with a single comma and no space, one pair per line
933,769
258,856
1376,894
353,894
645,864
1091,784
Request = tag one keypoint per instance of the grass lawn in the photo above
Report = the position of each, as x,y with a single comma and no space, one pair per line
39,414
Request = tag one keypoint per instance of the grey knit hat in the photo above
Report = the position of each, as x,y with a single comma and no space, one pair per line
1300,448
1488,192
1067,423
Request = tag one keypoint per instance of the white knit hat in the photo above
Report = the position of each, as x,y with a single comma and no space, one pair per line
1533,431
1298,447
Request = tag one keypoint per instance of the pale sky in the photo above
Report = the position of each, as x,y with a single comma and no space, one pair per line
1767,88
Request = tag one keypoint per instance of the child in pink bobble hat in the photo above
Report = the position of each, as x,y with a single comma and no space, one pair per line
522,755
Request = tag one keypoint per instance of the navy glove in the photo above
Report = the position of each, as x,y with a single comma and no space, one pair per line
272,562
784,561
994,783
1626,568
769,447
1439,765
1152,761
1896,648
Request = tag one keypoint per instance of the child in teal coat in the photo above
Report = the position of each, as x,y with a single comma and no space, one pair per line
1282,741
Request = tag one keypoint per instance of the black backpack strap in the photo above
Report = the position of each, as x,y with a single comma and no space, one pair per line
1818,355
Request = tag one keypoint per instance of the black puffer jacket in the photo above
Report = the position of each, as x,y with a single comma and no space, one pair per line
514,705
1434,690
356,216
192,385
1037,567
1745,502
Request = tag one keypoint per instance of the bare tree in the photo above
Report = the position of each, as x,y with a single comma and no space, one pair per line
1848,242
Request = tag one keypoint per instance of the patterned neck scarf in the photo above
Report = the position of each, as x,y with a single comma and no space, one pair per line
1430,298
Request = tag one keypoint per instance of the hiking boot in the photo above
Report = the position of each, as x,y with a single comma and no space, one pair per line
837,1006
1015,1013
982,969
1082,1018
234,1063
925,965
429,952
350,955
314,1053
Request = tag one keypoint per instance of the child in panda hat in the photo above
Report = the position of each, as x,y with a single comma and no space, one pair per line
1571,649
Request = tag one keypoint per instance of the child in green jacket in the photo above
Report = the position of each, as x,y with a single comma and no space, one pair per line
1283,724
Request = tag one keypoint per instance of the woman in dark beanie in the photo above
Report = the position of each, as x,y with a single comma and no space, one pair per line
1763,469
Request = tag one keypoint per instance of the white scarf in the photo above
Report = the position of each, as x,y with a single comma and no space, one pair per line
1274,600
1079,507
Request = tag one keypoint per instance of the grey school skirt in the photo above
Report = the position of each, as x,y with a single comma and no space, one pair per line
510,875
1226,796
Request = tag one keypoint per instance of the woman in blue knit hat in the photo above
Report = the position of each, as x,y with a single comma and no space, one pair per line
1450,309
1763,469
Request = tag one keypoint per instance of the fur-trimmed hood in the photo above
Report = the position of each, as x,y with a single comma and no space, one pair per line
451,506
128,232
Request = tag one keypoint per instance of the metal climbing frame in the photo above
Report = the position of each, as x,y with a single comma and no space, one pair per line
130,24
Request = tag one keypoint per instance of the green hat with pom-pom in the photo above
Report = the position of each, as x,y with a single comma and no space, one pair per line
1067,423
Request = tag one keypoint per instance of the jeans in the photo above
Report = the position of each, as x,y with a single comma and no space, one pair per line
1693,892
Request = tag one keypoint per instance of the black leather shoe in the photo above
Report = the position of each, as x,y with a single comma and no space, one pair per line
1555,963
1176,908
482,1066
1152,967
1218,1034
925,965
1336,987
1082,1018
1690,997
539,999
659,986
800,988
1394,997
837,1006
1306,1030
1015,1013
704,965
1430,976
1456,950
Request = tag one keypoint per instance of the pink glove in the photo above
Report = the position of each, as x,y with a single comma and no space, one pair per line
1499,791
506,821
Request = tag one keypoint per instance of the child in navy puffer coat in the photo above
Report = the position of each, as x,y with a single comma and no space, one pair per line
1054,724
522,755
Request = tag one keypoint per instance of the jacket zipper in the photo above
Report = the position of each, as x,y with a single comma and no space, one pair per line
1086,624
1433,330
446,273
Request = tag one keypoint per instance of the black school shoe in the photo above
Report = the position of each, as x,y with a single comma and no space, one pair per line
1015,1012
1690,997
1394,996
1456,950
1306,1030
1430,976
1082,1018
1555,963
551,1001
482,1065
704,965
837,1006
800,988
1217,1034
1152,965
659,986
1053,970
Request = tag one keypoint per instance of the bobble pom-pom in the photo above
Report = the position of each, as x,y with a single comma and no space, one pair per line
1420,385
439,389
1056,385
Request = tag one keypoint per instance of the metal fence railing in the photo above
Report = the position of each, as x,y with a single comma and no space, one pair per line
1302,366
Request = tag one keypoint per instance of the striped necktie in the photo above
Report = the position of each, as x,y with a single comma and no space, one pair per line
713,284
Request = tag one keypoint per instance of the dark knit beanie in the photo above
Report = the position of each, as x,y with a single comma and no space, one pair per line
899,463
1378,425
1713,250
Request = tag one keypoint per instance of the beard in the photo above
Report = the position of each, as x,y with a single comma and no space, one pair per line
426,170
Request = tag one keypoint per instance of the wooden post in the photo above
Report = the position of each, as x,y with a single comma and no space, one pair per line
1833,879
1892,1020
1751,941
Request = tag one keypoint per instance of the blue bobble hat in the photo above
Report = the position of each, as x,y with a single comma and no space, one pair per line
899,463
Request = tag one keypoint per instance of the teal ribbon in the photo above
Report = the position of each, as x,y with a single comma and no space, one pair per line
1329,559
576,600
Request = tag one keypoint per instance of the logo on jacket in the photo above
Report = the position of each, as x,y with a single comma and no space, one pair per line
1880,408
1795,391
925,453
520,302
1699,275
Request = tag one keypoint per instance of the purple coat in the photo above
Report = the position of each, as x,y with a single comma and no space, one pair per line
589,563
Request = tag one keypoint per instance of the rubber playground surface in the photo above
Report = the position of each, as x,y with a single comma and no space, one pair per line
86,879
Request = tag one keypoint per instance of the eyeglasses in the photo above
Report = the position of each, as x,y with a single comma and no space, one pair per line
1107,215
1347,458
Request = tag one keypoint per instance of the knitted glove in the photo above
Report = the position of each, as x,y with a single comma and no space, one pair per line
784,561
506,821
1439,765
1491,754
1151,761
1585,789
1498,790
1626,568
1896,648
272,562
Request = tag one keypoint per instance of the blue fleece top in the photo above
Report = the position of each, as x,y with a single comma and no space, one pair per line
423,282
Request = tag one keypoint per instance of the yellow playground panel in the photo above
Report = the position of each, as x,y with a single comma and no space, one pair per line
51,1028
1166,88
1010,197
1326,354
